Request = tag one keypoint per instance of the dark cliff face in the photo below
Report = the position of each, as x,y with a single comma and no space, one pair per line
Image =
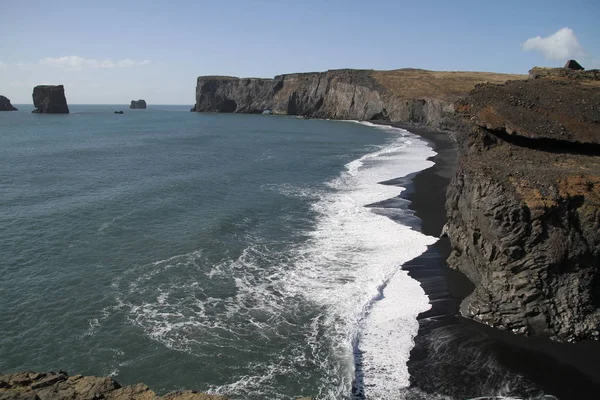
5,104
50,99
338,94
524,207
138,104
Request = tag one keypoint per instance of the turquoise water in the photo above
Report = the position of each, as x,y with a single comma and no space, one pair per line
223,253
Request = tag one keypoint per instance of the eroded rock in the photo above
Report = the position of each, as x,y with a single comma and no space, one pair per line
50,99
5,104
138,104
524,207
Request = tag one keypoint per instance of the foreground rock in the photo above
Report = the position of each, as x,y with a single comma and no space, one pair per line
60,386
50,99
5,104
408,95
138,104
524,207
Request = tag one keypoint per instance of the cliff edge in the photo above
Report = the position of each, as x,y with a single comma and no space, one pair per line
406,95
524,207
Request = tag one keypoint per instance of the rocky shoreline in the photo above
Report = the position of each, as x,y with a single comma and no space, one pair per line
61,386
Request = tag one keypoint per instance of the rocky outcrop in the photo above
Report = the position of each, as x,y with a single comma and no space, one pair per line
524,207
60,386
419,96
138,104
5,104
50,99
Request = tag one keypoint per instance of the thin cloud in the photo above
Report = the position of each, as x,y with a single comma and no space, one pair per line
3,64
78,63
561,45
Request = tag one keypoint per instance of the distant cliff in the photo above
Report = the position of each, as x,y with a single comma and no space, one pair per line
5,104
524,207
50,99
403,95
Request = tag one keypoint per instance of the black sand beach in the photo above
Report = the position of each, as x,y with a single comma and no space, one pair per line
457,357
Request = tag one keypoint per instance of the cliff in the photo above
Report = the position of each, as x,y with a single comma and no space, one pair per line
138,104
60,386
524,207
50,99
407,95
5,104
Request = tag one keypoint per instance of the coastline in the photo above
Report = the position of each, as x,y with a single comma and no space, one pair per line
461,358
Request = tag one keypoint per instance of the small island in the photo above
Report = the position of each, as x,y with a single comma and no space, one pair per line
50,99
138,104
5,104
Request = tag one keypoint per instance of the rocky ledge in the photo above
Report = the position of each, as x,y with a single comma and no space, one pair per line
50,99
60,386
5,104
138,104
408,95
524,207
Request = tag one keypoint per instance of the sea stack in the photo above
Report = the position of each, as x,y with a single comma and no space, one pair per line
5,104
50,99
138,104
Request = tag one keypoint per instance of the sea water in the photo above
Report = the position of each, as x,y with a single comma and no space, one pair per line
242,255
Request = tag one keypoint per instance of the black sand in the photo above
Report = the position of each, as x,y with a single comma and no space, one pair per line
457,357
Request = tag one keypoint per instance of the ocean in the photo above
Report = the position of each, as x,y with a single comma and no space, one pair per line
246,255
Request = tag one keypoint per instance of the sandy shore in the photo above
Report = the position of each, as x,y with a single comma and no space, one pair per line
457,357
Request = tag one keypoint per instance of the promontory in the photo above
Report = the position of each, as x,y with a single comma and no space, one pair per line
5,104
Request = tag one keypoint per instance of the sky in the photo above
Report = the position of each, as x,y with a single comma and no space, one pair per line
110,52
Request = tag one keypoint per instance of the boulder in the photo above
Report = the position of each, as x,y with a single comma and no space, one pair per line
50,99
138,104
5,104
119,112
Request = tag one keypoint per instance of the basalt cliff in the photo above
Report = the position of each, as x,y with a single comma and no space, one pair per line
524,207
409,95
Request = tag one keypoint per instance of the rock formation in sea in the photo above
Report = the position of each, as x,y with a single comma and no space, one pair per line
138,104
5,104
50,99
409,95
524,207
61,386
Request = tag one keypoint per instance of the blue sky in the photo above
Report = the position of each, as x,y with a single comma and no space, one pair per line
113,51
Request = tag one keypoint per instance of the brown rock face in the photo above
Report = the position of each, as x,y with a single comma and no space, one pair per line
524,207
50,99
60,386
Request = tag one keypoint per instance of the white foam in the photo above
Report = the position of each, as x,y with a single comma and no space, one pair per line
354,252
339,270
